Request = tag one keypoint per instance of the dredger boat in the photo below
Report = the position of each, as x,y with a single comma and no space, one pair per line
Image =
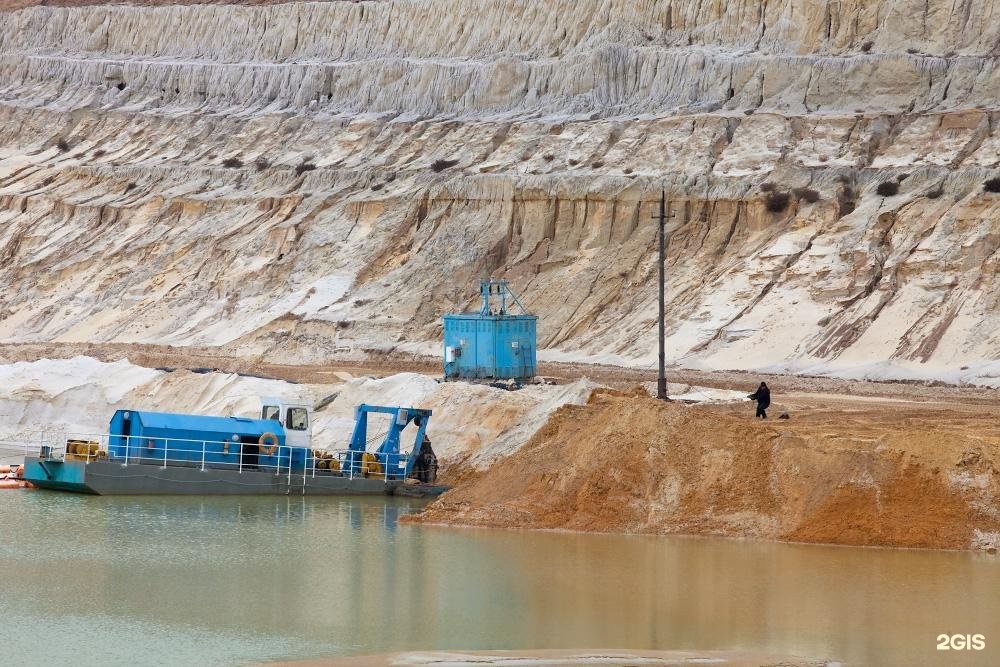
150,453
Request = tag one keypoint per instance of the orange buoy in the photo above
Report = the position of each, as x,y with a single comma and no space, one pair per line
268,449
5,469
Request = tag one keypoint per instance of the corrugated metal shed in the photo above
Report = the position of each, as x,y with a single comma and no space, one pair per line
491,344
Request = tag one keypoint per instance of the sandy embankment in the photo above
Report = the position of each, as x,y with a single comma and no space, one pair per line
901,475
473,425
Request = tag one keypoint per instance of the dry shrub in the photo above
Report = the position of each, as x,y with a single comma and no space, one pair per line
232,163
62,145
887,189
806,194
261,163
776,202
992,185
440,165
304,166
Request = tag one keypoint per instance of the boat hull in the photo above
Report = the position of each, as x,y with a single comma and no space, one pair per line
110,478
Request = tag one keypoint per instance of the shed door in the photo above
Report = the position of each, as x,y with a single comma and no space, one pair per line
485,351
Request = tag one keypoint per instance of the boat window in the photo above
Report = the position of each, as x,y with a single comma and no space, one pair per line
271,412
298,419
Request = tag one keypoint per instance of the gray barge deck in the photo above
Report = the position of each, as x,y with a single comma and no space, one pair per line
108,477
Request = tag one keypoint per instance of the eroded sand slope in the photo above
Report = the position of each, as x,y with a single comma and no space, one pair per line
309,179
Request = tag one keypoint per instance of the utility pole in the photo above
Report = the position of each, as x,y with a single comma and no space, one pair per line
661,380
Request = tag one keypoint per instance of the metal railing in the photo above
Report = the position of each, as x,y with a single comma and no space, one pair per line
350,464
31,441
220,455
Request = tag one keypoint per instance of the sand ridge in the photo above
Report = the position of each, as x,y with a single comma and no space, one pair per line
628,463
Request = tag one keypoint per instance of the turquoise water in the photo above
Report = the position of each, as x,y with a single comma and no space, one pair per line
222,581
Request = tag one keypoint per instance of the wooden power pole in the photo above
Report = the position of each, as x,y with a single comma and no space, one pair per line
661,380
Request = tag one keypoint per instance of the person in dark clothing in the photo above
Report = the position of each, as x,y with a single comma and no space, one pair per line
763,398
426,466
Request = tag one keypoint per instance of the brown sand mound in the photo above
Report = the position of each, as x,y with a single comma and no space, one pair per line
903,477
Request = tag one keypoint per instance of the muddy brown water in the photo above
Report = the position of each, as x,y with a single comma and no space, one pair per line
224,581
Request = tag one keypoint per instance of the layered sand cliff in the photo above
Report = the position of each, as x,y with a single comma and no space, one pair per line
311,179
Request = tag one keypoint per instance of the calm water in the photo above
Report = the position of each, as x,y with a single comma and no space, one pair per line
149,581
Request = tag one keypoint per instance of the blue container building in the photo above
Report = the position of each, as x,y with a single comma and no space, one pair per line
491,344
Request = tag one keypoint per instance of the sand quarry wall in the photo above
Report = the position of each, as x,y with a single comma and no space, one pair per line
304,179
903,478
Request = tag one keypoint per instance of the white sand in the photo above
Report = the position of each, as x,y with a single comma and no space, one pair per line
56,398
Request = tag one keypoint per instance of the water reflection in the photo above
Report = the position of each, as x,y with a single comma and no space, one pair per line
226,580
